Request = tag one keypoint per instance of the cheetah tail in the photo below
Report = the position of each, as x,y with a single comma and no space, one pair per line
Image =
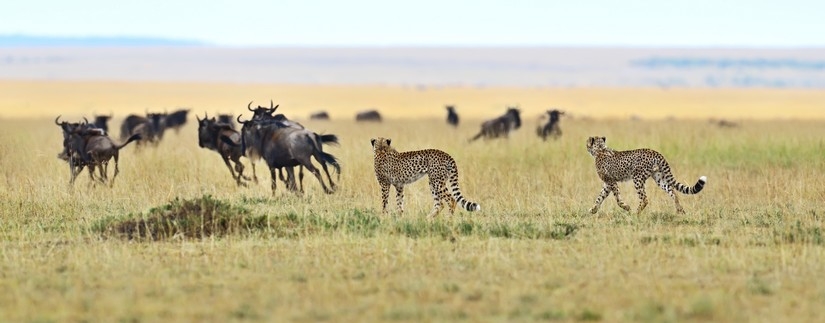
692,190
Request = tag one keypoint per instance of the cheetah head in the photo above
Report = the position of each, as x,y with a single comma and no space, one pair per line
380,143
595,144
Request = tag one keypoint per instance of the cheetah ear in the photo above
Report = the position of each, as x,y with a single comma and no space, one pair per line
372,141
590,141
604,140
389,141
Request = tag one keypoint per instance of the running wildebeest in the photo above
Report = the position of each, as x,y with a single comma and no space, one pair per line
551,128
76,164
320,115
281,145
370,115
501,126
90,146
176,120
210,136
452,116
102,122
150,127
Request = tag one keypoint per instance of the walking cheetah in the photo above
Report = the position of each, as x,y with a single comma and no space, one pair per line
402,168
638,165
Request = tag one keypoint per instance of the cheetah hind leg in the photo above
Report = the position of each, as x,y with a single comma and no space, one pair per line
448,199
639,184
667,188
437,188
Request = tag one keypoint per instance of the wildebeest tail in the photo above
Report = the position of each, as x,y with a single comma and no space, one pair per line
455,191
327,139
323,157
134,137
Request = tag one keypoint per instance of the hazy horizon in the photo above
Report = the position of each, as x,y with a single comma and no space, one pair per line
423,66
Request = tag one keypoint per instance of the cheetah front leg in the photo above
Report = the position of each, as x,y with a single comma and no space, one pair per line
385,196
399,196
639,184
615,189
603,195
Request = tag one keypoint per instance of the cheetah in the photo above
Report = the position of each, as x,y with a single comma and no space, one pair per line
402,168
638,165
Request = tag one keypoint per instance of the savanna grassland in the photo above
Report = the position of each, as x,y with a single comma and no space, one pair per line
750,247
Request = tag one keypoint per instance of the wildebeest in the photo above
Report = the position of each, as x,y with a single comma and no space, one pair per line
320,115
551,128
210,136
370,115
150,127
452,116
501,126
102,122
87,145
281,145
76,164
176,120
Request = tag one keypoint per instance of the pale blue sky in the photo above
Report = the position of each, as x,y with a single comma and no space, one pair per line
691,23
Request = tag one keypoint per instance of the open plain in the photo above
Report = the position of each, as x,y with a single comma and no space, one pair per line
751,246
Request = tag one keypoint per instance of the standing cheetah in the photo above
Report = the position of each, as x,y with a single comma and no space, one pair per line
402,168
638,165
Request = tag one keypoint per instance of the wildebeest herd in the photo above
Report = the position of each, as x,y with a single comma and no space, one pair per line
280,142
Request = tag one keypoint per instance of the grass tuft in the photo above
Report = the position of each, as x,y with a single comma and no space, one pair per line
189,218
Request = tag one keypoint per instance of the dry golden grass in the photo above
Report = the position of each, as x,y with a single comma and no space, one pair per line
749,248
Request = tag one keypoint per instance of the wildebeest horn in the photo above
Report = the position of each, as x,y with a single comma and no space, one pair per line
249,106
55,120
239,119
271,103
85,121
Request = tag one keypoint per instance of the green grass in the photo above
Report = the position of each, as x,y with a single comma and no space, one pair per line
176,240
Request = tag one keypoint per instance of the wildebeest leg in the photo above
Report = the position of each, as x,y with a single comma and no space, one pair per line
311,168
254,175
301,178
74,170
326,170
92,173
239,167
114,175
236,178
274,180
282,177
290,176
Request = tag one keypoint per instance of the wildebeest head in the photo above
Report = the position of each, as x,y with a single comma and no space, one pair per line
555,115
263,112
69,128
204,134
514,115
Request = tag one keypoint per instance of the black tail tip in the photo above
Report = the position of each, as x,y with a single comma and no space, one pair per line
700,184
473,207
